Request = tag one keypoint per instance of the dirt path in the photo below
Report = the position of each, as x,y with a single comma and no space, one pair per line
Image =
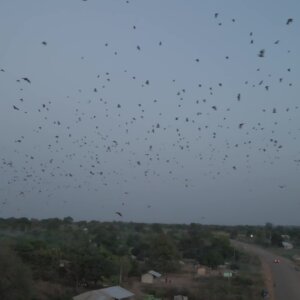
283,279
268,278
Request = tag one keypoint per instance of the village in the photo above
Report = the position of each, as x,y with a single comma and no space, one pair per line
186,280
60,259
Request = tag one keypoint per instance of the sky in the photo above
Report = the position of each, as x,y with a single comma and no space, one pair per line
163,111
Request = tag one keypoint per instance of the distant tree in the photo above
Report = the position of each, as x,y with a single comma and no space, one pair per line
68,220
15,277
260,237
133,240
276,239
217,252
268,230
23,224
156,227
90,264
212,258
135,269
269,226
51,223
234,234
139,227
125,267
163,255
108,237
43,258
141,249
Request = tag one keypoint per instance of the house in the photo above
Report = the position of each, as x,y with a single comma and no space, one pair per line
222,267
227,274
201,271
296,258
286,237
91,295
117,292
287,245
110,293
63,263
180,297
150,277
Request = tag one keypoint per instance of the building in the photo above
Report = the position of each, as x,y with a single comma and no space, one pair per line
287,245
227,274
286,237
63,263
150,277
200,271
110,293
180,297
297,258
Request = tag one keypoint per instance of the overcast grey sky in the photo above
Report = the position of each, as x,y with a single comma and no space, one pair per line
134,107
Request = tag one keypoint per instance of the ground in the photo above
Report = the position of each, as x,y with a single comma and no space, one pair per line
242,287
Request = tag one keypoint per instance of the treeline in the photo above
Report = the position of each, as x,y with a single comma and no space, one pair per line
267,235
92,254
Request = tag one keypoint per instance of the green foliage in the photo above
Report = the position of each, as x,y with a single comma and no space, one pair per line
141,249
157,228
68,220
15,279
276,239
242,280
206,248
163,255
212,258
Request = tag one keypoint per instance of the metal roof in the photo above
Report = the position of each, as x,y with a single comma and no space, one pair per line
155,274
92,295
117,292
114,292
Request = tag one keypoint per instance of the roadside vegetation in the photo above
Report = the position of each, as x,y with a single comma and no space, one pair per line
271,237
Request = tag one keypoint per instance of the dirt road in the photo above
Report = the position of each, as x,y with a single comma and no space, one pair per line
283,279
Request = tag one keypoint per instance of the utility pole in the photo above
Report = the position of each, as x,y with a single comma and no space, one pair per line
234,254
120,275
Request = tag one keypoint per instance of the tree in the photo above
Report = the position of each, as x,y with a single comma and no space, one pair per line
68,220
214,251
276,239
156,227
107,236
268,230
15,279
213,258
163,254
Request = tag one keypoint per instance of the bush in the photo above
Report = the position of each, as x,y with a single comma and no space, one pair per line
240,280
15,279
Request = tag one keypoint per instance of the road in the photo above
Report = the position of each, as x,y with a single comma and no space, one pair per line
284,277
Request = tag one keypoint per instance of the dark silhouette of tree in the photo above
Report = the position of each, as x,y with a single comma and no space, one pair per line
15,278
276,239
163,255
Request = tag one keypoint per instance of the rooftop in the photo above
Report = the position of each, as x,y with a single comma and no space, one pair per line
117,292
155,274
114,292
